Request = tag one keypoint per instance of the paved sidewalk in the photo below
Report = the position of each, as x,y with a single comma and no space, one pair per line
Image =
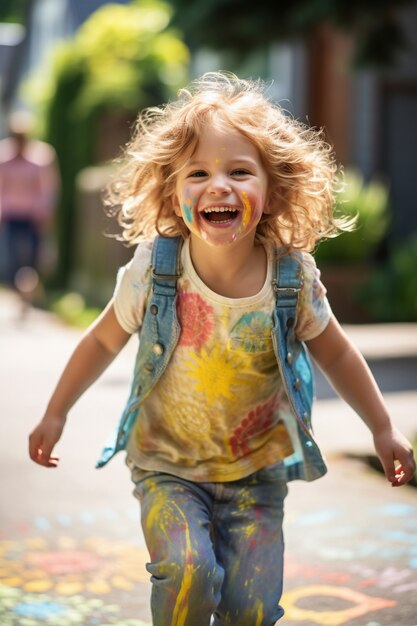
71,549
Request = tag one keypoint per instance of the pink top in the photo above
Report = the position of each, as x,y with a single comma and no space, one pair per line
29,182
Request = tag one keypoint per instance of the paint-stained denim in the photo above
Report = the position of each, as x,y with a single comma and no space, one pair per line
216,549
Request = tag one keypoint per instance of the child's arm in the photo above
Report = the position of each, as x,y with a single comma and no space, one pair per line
351,377
98,347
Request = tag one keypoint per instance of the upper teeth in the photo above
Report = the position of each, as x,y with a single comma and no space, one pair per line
219,209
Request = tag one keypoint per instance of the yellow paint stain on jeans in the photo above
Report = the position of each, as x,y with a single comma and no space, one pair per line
249,530
166,513
259,614
181,606
161,514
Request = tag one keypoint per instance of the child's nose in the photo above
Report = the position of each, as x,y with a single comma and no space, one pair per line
219,185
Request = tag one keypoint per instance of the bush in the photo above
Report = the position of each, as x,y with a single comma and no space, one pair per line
391,295
367,201
72,309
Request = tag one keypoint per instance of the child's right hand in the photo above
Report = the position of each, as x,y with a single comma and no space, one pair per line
96,350
43,439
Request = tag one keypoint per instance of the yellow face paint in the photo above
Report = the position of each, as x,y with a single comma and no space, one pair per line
247,210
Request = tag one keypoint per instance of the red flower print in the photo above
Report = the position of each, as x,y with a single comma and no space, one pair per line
257,421
196,319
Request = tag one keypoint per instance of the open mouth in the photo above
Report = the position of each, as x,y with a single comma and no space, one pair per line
220,215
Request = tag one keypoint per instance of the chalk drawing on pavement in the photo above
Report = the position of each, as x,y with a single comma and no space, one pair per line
333,540
58,572
18,607
55,572
362,605
69,566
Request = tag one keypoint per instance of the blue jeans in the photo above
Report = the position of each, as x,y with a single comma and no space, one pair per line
216,549
22,242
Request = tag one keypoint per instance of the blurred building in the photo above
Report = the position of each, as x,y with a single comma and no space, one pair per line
370,116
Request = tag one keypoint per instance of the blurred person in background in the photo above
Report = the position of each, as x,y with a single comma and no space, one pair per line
29,189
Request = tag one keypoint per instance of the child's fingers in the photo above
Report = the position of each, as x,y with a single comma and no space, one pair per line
40,451
34,447
389,466
401,473
405,470
44,458
52,461
397,458
399,477
393,472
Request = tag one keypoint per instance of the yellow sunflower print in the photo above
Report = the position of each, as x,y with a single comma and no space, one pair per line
217,373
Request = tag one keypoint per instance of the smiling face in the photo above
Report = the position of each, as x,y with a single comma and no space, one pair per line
221,190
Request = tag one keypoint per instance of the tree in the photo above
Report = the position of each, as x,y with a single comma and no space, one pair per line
122,59
242,26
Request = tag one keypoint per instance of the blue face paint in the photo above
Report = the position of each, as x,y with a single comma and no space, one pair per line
187,206
187,212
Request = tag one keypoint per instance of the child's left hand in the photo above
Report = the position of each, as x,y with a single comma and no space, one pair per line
396,455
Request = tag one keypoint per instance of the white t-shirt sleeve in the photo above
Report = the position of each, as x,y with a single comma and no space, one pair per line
132,288
314,310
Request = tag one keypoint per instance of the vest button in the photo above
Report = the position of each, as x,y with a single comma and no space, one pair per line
297,383
153,309
290,357
148,367
158,349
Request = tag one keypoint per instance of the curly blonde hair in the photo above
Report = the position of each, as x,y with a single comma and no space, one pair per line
302,172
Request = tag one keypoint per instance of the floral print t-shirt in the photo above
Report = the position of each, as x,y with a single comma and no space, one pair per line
219,412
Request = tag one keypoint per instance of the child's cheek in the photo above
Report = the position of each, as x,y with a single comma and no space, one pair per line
187,212
187,207
252,208
247,210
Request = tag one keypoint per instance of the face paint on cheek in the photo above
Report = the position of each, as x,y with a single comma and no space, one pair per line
187,208
187,212
247,211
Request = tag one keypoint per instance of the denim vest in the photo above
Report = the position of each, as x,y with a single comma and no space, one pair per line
160,332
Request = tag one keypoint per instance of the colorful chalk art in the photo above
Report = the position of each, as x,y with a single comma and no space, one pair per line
59,572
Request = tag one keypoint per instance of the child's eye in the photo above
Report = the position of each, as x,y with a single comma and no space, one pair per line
197,174
240,172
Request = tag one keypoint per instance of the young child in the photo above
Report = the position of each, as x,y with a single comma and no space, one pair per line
218,419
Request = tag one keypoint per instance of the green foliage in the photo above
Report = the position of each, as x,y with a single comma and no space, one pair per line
237,24
14,11
369,202
72,309
391,295
122,59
